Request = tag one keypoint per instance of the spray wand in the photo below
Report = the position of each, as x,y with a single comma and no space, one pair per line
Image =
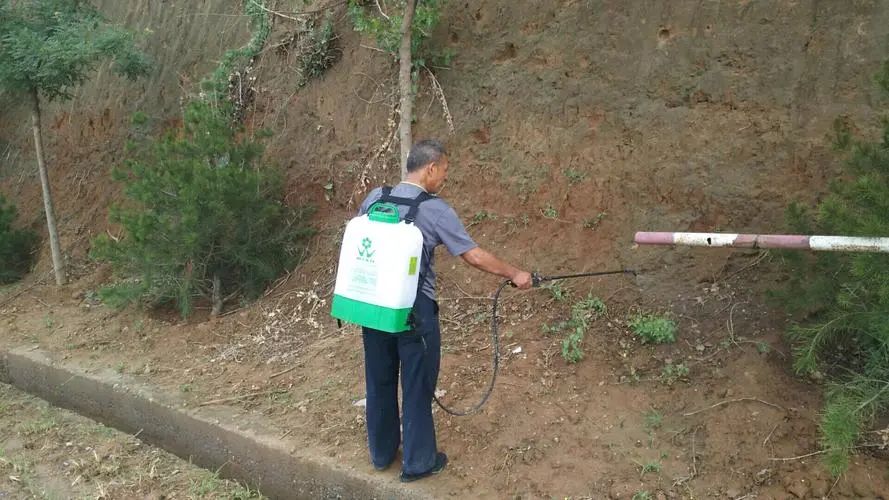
536,281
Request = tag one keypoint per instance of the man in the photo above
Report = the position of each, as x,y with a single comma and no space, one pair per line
417,353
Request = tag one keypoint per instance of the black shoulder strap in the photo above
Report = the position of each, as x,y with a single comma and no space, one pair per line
413,203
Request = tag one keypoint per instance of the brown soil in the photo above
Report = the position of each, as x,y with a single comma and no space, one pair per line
622,116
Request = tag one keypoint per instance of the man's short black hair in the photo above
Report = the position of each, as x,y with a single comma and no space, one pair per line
424,153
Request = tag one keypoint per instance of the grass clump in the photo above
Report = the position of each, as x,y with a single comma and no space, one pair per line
653,329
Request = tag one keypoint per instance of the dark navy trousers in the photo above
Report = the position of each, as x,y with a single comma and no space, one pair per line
416,355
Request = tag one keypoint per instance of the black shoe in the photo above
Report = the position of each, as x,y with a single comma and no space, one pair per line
440,461
381,468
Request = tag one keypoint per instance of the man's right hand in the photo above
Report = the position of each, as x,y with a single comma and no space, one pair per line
522,280
481,259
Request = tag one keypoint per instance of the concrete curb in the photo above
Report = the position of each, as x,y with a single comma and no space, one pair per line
250,452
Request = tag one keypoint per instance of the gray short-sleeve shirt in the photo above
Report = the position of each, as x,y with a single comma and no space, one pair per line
437,221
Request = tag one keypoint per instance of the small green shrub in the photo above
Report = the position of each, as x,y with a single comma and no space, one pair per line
550,212
647,467
139,118
594,222
481,216
317,49
582,313
554,328
590,308
202,218
16,245
642,495
572,344
653,466
670,373
842,299
654,329
555,288
653,419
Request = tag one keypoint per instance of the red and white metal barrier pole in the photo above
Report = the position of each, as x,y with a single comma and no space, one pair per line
788,241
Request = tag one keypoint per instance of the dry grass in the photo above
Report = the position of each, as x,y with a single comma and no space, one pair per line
48,452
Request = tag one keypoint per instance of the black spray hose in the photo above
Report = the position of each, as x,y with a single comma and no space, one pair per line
536,280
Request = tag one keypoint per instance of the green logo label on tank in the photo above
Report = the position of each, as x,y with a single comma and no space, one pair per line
364,251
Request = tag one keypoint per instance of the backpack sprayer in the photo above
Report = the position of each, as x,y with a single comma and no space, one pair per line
379,270
381,267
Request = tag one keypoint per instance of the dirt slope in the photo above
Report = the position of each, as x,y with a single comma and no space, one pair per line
617,115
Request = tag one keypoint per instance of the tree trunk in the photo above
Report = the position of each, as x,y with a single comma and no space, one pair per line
404,82
217,296
57,264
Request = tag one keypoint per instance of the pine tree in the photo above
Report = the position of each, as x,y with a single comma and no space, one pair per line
47,48
203,219
846,296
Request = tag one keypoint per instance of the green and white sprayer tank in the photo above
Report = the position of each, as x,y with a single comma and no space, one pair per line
379,267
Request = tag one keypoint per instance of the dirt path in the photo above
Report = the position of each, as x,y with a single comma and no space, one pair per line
709,416
50,453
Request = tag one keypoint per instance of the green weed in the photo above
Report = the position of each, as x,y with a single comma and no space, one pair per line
582,312
514,223
206,484
317,49
649,467
481,216
654,329
574,176
593,222
572,345
670,373
556,290
550,212
554,328
653,420
39,426
139,118
590,307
